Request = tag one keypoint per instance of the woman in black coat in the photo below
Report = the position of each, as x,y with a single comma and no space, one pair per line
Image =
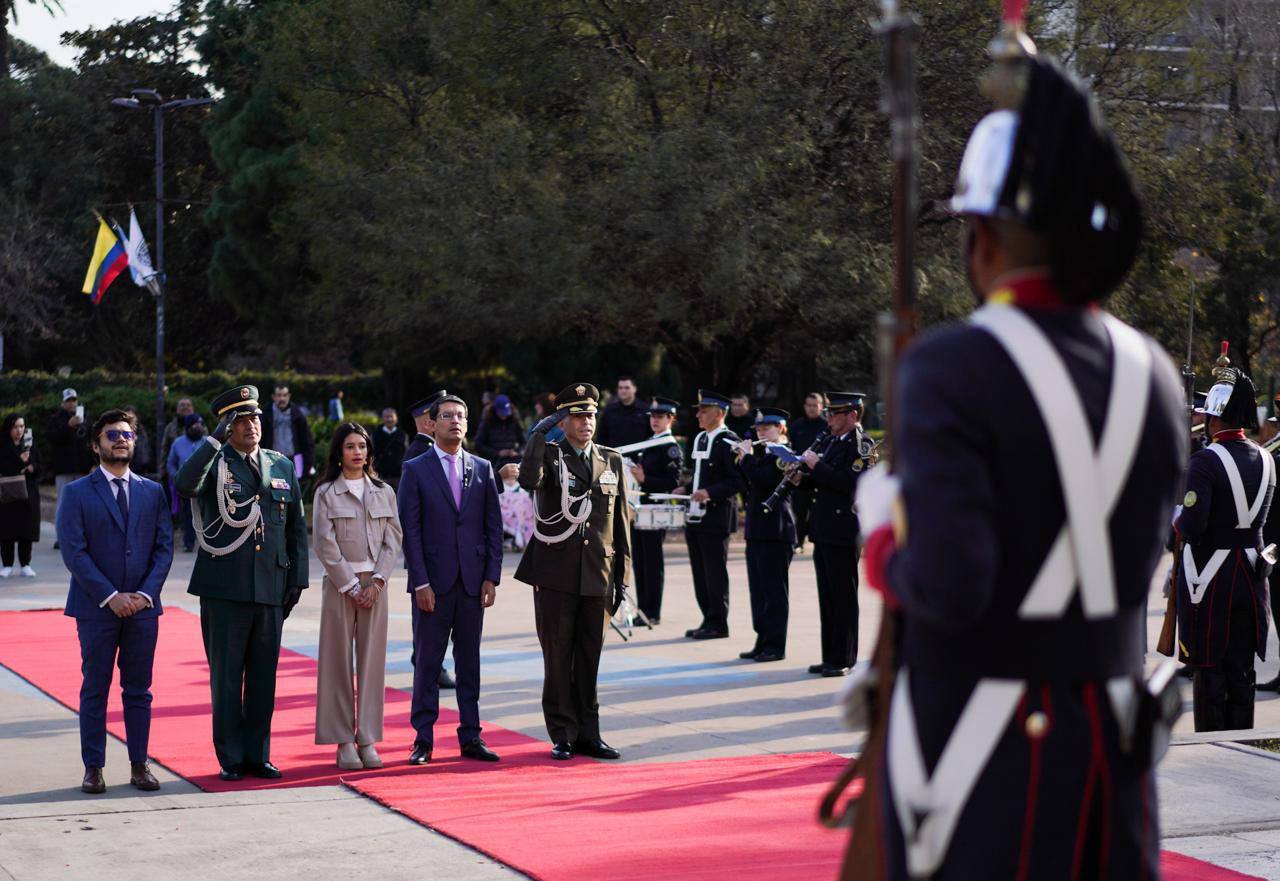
20,520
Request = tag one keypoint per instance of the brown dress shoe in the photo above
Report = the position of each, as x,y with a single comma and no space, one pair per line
141,777
93,782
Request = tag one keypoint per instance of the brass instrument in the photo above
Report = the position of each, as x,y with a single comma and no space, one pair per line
788,482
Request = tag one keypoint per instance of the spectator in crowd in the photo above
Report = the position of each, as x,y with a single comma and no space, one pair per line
336,411
19,500
624,420
117,544
500,438
179,453
356,536
543,406
389,445
143,455
285,430
178,425
69,437
740,420
804,432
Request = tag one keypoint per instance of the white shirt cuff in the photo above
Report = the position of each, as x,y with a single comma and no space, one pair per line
103,604
147,597
421,587
350,586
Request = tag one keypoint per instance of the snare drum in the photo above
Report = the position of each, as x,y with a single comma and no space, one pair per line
660,517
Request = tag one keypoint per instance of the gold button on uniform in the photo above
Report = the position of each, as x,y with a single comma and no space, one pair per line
586,541
1037,725
257,547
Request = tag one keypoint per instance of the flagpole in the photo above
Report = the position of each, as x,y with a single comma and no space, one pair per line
143,98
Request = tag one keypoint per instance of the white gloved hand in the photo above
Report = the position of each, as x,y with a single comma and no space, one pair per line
877,492
855,698
1177,512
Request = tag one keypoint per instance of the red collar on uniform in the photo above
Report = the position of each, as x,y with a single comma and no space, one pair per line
1030,288
1228,434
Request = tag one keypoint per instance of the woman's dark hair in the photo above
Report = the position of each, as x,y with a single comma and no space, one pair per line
9,422
333,462
111,417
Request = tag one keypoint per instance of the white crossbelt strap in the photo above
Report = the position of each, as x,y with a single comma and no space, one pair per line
1245,513
1092,482
1198,581
928,808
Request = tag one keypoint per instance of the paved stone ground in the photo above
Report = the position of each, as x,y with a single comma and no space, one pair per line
664,698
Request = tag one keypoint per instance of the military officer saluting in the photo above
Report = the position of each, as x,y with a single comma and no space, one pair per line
657,470
249,573
715,484
833,471
1222,591
578,562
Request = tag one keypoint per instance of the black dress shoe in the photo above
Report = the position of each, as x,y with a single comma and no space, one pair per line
832,672
561,750
230,774
817,668
768,655
750,655
93,782
476,749
597,749
708,633
691,631
265,770
421,754
1273,685
445,680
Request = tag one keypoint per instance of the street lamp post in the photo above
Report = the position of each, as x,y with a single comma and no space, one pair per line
149,99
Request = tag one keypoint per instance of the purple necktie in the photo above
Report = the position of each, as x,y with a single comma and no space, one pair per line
455,483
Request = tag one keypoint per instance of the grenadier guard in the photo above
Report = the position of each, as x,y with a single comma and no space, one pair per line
250,572
579,563
1019,533
1222,589
657,470
833,472
713,516
770,533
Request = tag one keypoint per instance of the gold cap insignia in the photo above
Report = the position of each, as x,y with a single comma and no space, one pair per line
244,392
580,390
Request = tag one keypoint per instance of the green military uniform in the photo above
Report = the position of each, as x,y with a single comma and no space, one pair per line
578,562
253,554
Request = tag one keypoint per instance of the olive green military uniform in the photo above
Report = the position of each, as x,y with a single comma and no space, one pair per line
576,580
242,592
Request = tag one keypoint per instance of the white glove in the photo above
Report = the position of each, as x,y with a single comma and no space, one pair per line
878,490
854,698
1177,512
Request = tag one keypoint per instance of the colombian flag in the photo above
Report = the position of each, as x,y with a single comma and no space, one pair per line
109,260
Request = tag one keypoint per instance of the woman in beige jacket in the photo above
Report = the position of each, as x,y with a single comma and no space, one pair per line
356,535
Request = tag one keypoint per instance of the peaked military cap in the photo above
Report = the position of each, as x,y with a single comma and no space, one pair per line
663,405
1053,166
581,397
771,415
424,405
241,400
843,402
709,398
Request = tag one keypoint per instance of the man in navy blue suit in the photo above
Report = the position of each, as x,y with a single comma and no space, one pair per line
117,541
453,548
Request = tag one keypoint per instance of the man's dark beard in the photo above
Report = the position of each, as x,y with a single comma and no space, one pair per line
195,433
108,457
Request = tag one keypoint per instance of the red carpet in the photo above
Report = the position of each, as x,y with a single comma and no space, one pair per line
735,818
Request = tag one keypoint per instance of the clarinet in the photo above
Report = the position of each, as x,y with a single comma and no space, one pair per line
785,486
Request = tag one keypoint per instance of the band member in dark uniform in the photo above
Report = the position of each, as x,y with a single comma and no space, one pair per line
833,472
716,481
657,470
771,536
1222,592
1036,489
579,563
804,432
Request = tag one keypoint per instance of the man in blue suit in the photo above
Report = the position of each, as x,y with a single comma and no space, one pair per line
453,548
117,541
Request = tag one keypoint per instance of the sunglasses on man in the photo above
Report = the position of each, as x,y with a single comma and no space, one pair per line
118,434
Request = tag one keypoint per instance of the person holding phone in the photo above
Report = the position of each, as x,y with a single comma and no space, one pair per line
19,498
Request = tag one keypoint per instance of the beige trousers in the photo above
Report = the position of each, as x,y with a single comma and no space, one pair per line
345,713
